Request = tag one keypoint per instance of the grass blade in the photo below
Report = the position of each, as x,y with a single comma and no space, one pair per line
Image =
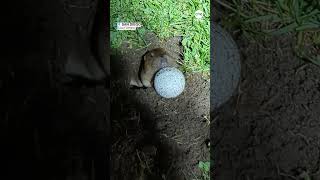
307,26
286,29
311,14
296,10
315,60
270,17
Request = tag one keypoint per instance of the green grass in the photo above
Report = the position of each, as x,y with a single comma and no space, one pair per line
205,170
166,19
265,18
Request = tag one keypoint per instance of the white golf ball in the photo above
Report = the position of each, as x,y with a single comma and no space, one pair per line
198,14
169,82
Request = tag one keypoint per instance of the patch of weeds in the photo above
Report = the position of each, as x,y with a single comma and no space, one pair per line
263,18
166,19
205,170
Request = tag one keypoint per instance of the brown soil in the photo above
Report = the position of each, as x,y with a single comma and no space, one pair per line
177,129
270,130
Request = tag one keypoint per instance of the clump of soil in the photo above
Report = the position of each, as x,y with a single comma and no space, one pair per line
270,129
174,129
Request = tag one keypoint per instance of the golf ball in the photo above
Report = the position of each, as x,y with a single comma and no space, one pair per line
169,82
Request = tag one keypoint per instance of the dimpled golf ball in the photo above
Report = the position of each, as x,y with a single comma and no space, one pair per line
169,82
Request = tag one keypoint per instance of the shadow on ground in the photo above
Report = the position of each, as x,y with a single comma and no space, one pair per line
138,151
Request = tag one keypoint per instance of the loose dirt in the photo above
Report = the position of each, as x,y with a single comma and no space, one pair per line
176,129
